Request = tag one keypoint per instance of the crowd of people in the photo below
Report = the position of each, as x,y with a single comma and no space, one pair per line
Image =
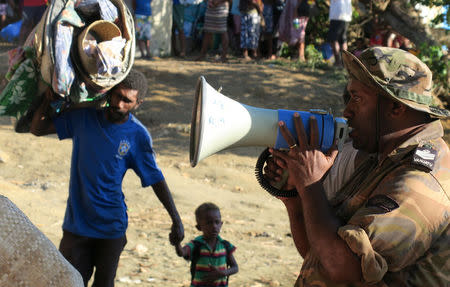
251,29
235,24
255,29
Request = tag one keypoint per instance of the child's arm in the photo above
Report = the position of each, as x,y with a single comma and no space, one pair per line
182,251
215,273
233,265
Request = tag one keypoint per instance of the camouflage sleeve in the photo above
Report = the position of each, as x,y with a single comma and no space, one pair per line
403,216
373,265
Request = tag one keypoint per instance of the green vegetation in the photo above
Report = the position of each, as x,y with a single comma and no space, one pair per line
440,18
434,58
313,57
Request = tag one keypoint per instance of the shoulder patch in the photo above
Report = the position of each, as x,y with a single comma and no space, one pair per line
425,156
382,201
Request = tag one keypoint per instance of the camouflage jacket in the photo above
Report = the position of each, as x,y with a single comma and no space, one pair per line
396,216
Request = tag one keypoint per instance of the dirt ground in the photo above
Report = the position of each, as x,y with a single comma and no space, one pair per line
34,173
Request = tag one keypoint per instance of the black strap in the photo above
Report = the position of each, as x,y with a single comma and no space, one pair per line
195,257
228,250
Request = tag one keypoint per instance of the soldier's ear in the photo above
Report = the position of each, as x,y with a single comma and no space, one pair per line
392,108
397,109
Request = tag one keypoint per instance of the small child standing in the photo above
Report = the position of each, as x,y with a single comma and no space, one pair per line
212,260
216,17
143,21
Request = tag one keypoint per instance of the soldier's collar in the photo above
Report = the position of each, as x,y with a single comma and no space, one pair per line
431,131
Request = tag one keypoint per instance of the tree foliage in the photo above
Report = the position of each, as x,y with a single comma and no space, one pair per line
317,28
402,17
440,18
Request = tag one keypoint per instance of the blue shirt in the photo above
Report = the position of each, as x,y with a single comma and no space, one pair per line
102,152
143,7
235,8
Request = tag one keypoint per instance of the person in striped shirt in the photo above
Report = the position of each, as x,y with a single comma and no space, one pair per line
212,260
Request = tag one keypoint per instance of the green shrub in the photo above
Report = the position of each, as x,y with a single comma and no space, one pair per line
435,59
313,56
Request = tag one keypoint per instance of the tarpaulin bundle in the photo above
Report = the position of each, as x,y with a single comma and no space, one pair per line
54,55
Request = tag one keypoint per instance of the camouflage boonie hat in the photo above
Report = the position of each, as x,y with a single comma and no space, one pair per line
400,74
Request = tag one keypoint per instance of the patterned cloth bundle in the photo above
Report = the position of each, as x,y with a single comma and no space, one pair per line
52,53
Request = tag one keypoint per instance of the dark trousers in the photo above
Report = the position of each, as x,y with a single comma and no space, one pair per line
85,253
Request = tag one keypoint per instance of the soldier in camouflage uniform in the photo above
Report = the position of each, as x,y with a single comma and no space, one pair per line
389,223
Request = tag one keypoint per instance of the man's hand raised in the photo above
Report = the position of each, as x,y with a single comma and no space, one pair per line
305,162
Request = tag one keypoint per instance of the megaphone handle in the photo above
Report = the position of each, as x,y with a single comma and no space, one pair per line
282,182
265,184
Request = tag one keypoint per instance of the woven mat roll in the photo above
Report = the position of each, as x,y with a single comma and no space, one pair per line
27,256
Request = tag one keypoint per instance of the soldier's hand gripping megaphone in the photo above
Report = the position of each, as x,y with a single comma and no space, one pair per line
219,123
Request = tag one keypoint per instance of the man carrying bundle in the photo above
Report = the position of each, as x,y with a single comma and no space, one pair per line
106,143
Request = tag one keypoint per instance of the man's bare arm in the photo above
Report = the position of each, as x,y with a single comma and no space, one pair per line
165,197
297,224
337,259
41,123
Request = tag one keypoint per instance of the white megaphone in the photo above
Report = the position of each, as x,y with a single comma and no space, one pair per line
219,123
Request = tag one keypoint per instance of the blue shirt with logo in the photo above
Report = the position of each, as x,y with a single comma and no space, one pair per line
102,152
